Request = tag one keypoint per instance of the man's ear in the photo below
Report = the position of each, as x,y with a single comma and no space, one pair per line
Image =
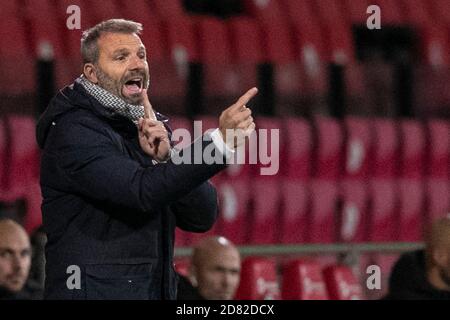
192,275
90,72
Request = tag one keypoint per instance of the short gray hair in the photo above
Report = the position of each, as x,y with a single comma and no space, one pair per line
89,45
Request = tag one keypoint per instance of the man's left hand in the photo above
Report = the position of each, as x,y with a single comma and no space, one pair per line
153,136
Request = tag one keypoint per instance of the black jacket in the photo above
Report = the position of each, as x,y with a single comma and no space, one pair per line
408,280
107,209
186,291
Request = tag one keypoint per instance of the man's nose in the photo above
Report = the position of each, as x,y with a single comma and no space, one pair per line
136,63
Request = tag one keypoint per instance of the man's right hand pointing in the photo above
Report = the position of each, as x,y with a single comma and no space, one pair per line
237,120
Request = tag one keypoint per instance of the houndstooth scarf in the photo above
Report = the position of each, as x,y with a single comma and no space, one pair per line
112,102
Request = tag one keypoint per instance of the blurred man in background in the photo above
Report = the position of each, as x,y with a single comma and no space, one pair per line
214,273
15,260
424,274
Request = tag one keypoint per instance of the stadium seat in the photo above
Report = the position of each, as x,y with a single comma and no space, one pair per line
386,149
391,12
412,137
173,72
297,134
139,11
246,52
3,155
329,148
441,10
434,44
220,81
181,123
356,11
352,222
168,9
322,226
330,12
16,53
265,11
358,147
383,211
234,197
258,280
33,200
266,211
342,284
24,167
385,261
104,11
438,198
416,12
303,280
438,149
9,9
412,210
295,206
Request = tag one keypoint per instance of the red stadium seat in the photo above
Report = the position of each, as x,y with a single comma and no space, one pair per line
411,212
342,284
139,11
386,149
434,44
413,149
234,196
24,166
101,11
417,12
299,11
329,148
245,36
266,11
258,280
330,12
298,151
323,206
438,198
439,149
246,51
295,204
303,280
383,211
358,147
168,9
441,10
353,216
9,9
172,73
391,12
33,198
266,211
221,82
16,53
3,155
356,11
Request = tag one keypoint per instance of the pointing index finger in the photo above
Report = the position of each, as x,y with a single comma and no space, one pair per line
148,109
243,100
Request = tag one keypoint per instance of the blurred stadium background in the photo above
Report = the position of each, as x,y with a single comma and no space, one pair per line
364,119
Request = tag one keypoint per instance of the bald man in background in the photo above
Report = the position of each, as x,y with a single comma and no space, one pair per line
214,273
424,274
15,260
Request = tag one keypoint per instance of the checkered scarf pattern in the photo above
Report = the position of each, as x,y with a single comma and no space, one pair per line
112,102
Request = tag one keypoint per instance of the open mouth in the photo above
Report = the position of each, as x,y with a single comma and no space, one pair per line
133,86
